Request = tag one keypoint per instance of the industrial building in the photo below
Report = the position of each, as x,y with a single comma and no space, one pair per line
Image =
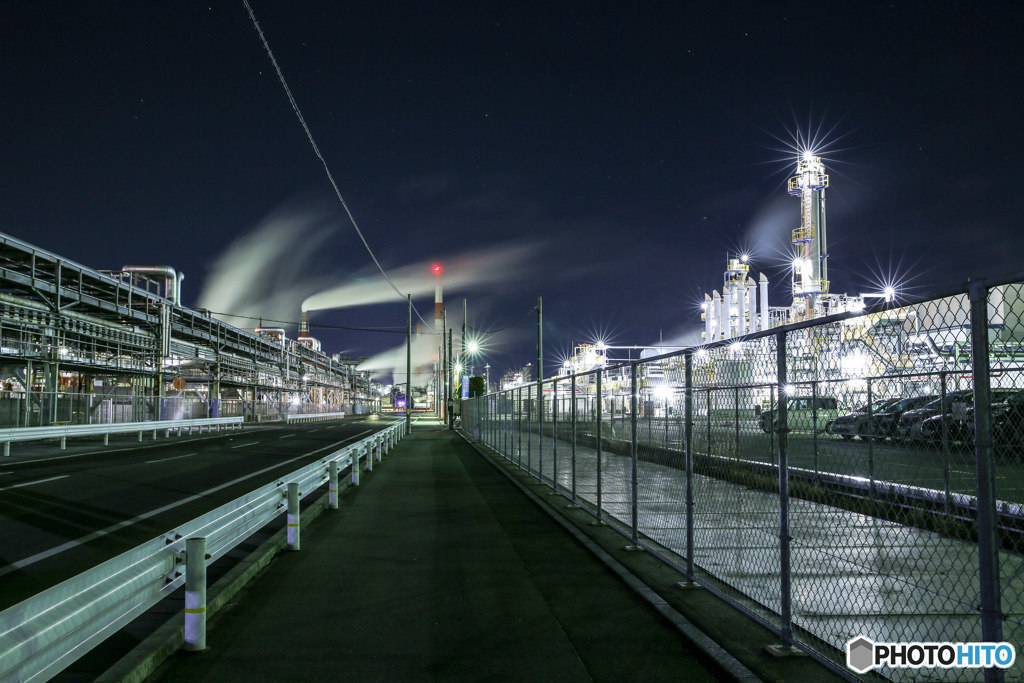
80,346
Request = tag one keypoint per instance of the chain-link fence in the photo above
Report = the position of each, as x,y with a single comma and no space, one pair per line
853,475
38,409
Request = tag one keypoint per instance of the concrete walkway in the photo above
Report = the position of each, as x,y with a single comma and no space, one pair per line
438,567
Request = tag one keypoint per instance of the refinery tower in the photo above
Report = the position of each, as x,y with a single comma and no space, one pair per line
742,309
810,258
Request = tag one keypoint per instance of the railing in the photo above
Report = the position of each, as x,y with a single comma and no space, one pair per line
314,417
64,432
41,409
800,478
42,635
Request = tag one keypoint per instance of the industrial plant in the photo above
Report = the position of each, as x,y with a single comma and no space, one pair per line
85,346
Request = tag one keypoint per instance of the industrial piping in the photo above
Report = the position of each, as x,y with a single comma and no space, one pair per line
172,279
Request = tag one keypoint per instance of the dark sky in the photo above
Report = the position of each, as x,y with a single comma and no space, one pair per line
629,146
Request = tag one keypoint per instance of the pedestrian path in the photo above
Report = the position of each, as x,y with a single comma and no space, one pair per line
438,567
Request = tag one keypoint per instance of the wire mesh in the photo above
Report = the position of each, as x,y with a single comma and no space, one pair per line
899,513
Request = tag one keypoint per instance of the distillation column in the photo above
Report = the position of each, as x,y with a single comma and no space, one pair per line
810,272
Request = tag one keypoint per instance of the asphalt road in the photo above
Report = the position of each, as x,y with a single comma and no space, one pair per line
62,512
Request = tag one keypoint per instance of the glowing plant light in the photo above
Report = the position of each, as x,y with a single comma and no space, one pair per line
662,392
437,269
789,390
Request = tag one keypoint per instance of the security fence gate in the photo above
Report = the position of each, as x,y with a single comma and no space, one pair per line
857,475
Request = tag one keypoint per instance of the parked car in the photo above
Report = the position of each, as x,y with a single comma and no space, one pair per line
959,418
1008,426
860,421
803,414
886,420
909,426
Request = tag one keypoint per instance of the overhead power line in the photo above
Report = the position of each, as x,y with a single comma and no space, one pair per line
316,150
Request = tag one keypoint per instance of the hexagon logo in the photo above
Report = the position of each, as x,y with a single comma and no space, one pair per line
860,654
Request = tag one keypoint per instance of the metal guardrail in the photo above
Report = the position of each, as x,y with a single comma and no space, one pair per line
64,432
310,417
45,633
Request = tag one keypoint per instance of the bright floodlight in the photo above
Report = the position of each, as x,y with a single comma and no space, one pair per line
662,392
601,346
458,368
744,258
889,293
808,155
473,346
789,389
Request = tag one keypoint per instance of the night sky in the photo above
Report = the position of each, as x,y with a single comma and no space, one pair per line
605,156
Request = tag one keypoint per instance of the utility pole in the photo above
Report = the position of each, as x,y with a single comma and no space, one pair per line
451,417
408,371
540,339
444,366
462,353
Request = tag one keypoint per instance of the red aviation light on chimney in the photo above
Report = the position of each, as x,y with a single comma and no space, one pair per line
437,269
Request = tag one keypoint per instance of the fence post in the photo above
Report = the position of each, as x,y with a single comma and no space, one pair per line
785,576
354,455
736,419
554,435
540,429
634,507
195,594
688,451
529,431
573,451
519,426
945,444
293,516
597,413
988,546
814,418
332,484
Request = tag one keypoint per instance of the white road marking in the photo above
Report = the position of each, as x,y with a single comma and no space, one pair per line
187,455
37,481
15,566
243,445
286,436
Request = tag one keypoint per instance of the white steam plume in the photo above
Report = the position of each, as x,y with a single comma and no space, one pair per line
424,352
493,266
264,273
